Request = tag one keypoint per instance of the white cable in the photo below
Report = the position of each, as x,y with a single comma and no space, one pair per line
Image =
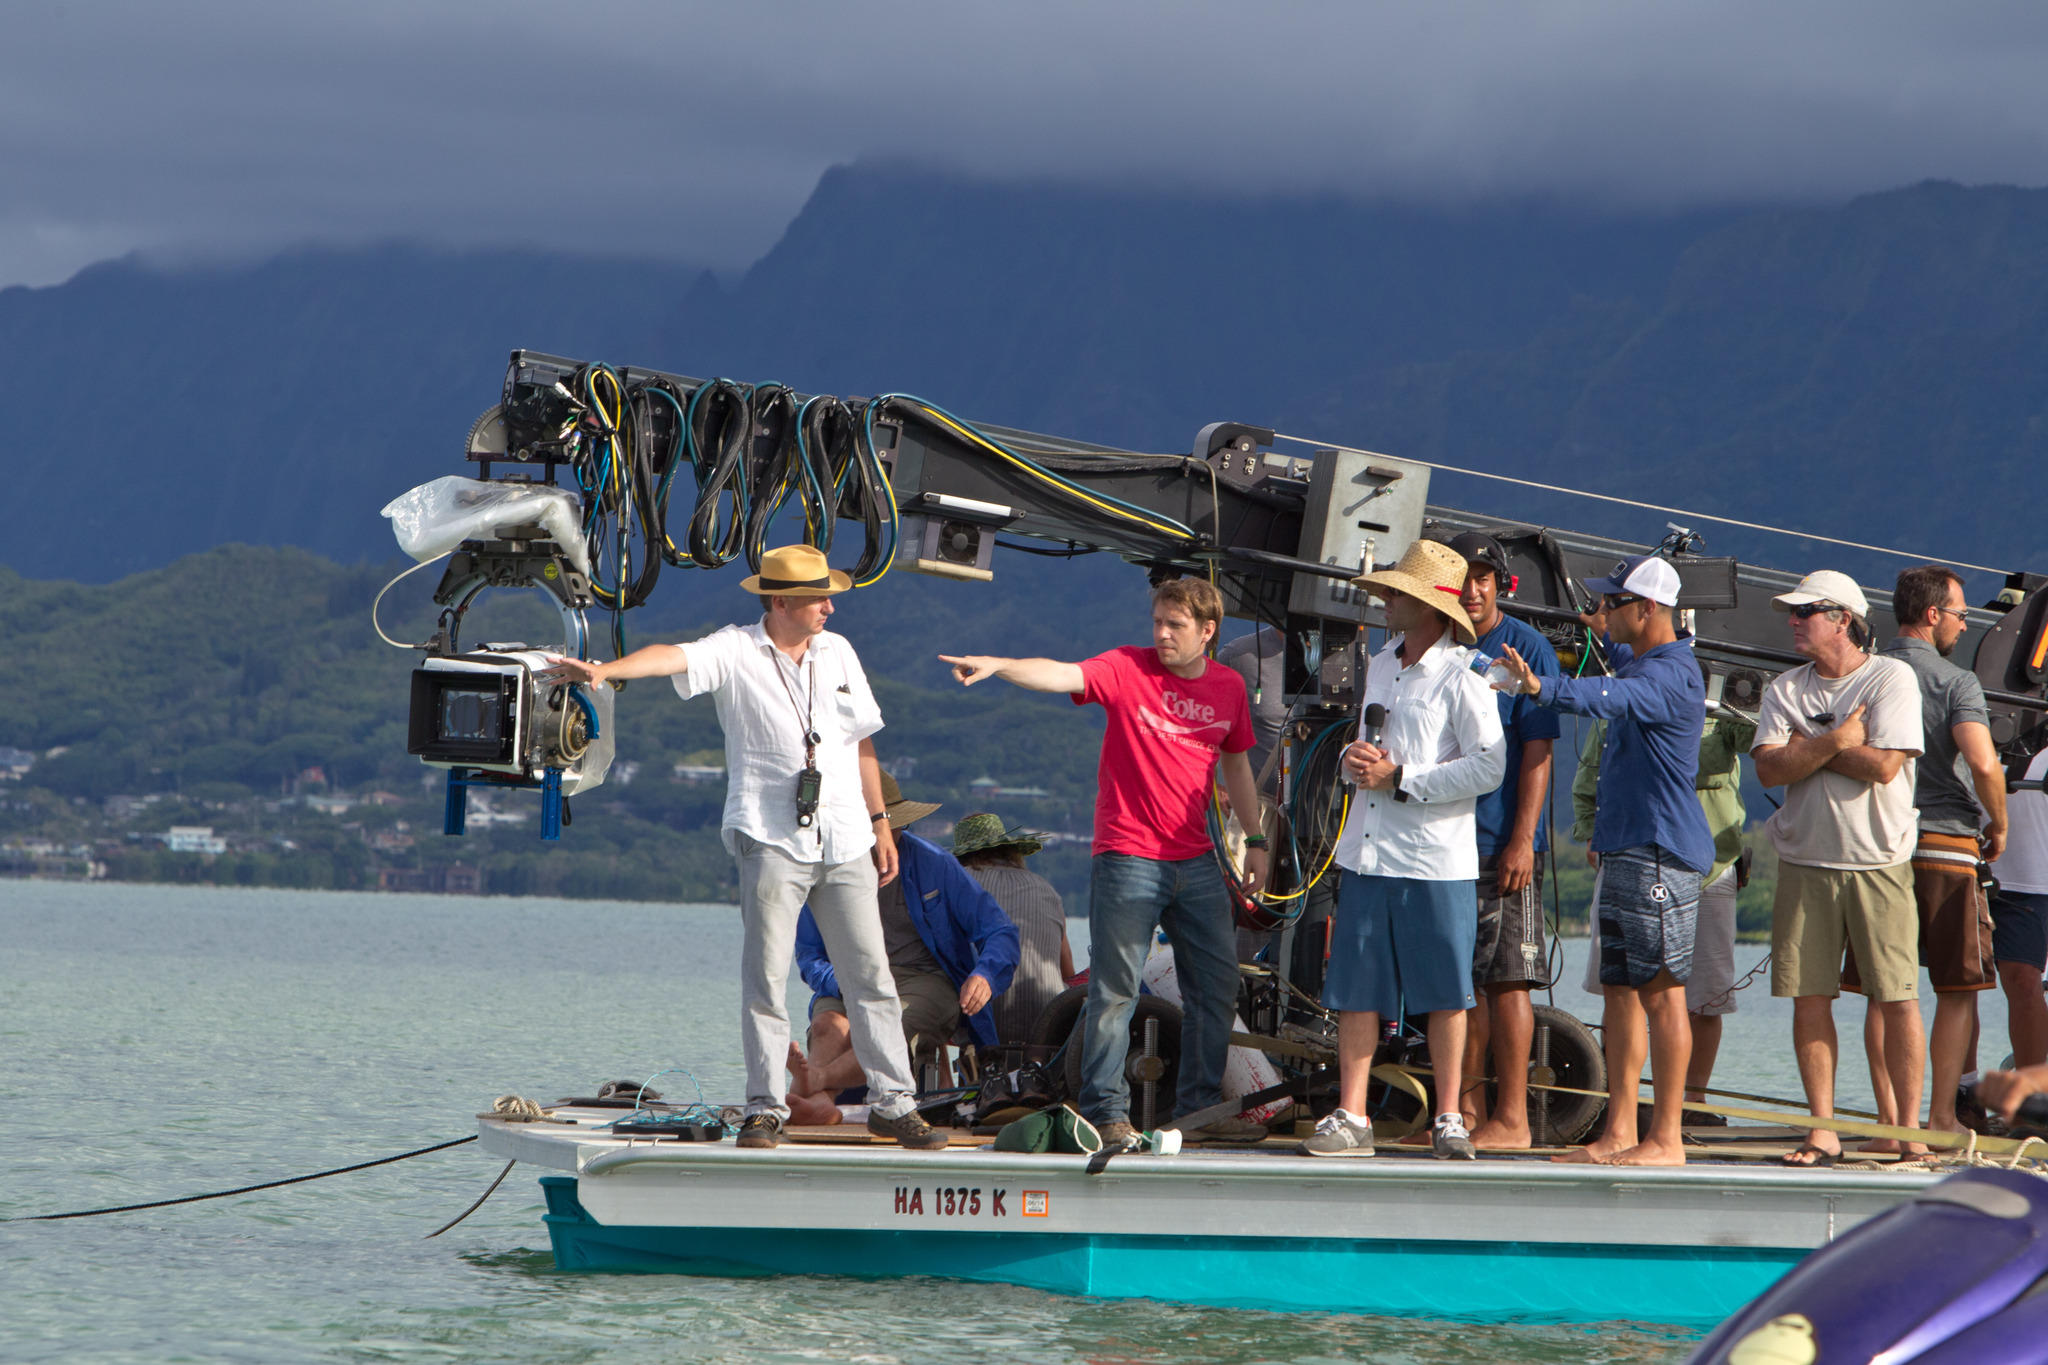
1646,506
395,644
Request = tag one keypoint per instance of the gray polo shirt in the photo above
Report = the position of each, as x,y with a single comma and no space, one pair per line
1949,696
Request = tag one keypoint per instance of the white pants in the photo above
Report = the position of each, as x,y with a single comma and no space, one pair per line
1713,949
773,890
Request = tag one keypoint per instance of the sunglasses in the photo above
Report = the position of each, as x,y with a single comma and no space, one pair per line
1616,601
1806,611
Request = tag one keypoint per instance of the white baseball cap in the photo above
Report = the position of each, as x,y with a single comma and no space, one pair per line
1640,576
1827,586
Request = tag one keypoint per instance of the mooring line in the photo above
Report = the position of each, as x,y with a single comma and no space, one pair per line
248,1189
477,1205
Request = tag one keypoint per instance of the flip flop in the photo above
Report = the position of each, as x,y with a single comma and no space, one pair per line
1821,1158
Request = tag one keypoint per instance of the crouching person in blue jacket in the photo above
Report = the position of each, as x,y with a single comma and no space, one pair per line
951,949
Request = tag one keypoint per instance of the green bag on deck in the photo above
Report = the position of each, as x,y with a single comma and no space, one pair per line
1050,1130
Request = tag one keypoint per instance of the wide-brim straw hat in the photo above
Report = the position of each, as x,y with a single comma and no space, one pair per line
1430,572
980,833
902,812
796,571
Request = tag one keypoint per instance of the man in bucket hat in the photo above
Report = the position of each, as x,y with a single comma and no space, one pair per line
1653,842
993,854
1407,905
804,819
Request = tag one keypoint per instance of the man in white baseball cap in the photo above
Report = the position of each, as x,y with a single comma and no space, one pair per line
1654,847
1840,735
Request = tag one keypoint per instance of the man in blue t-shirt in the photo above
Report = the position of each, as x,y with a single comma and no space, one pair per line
1513,822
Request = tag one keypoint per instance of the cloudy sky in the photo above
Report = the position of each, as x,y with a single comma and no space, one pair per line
693,132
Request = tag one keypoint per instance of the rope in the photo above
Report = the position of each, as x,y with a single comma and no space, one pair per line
1646,506
515,1109
477,1205
243,1189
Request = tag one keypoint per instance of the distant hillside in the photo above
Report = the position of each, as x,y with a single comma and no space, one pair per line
231,686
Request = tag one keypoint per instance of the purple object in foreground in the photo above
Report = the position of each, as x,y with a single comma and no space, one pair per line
1955,1276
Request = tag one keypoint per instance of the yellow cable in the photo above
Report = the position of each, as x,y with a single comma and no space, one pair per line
1036,473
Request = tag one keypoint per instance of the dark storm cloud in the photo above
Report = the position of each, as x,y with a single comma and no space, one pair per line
694,131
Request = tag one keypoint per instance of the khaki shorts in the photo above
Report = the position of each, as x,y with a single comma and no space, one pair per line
1820,911
1710,989
931,1010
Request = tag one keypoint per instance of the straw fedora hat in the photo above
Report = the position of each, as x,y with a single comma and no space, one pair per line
796,571
1430,572
979,833
902,812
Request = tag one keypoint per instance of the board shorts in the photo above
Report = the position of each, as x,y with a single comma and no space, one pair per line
2019,927
1401,945
1710,990
1955,918
1509,946
1820,911
1647,914
931,1009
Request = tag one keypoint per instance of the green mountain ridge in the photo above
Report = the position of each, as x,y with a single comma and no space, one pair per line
231,686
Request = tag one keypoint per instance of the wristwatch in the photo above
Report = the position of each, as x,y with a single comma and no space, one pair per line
1399,795
878,815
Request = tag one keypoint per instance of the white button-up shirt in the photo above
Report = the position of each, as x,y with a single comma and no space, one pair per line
1443,728
753,683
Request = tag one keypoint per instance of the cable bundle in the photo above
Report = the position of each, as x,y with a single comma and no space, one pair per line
750,450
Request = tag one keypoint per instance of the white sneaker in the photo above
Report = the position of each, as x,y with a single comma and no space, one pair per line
1339,1134
1450,1141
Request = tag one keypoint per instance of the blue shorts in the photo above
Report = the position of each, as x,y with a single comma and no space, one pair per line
1399,945
1647,916
2019,927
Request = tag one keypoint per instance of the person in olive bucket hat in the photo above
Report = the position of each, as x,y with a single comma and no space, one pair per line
994,854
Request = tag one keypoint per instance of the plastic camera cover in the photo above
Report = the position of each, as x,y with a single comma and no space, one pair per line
436,517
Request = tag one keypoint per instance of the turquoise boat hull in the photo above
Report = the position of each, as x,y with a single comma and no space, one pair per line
1690,1286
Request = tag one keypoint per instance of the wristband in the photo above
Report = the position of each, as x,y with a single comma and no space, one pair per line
878,815
1255,841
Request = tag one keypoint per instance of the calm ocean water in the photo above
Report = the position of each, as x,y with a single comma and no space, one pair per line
159,1041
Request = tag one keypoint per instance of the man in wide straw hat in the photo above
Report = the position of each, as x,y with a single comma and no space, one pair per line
1407,908
804,819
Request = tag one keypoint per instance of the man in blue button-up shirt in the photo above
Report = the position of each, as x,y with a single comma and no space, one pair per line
1653,843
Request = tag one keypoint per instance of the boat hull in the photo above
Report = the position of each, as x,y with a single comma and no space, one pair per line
1399,1277
1504,1240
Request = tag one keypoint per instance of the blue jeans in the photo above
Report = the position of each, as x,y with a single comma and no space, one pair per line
1127,896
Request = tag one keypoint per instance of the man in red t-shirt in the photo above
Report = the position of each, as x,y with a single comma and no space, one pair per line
1175,716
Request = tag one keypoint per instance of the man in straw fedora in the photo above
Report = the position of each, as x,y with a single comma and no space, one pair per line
804,819
1407,907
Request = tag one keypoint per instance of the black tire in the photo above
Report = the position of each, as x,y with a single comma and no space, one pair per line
1059,1016
1576,1060
1145,1007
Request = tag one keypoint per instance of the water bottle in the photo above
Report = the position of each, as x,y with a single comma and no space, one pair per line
1493,670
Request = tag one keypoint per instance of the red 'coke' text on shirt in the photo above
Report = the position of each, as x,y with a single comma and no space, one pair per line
1159,750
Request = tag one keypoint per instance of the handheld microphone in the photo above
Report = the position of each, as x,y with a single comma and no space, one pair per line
1375,721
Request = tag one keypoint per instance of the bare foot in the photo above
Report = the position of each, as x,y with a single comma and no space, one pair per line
1594,1153
1498,1136
812,1111
799,1069
1421,1137
1893,1147
1651,1153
